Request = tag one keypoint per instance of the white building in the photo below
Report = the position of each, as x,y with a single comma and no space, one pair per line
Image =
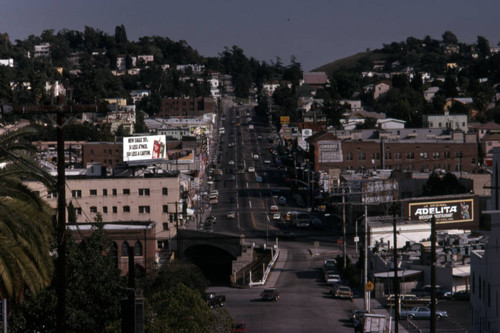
454,121
485,269
42,50
7,62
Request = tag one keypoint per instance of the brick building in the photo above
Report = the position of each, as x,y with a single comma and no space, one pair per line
401,149
186,107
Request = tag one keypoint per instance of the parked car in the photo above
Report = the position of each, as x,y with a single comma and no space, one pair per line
270,294
409,300
422,312
213,300
441,293
332,278
339,291
288,235
276,217
230,214
462,295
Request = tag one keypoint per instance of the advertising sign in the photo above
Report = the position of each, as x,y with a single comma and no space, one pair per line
139,148
330,151
450,211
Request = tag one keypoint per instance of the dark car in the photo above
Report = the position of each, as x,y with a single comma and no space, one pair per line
462,295
232,200
269,295
239,327
288,235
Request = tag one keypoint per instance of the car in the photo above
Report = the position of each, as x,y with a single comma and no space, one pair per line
230,214
332,278
258,179
208,227
270,294
251,169
282,200
213,300
267,162
210,219
255,157
231,177
441,293
231,162
232,200
462,295
422,312
276,216
239,327
409,300
339,291
274,209
288,235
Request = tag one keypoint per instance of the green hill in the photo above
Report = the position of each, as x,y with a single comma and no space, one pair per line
360,61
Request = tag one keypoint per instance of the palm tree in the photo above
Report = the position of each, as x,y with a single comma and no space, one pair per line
25,219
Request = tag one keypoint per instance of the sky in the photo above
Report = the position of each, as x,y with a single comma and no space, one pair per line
315,32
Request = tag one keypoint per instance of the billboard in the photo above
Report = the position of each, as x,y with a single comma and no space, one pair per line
139,148
330,151
445,212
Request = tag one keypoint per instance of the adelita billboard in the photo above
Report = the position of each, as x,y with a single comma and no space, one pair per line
140,148
453,211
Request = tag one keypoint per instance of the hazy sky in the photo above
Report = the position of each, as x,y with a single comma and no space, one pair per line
316,32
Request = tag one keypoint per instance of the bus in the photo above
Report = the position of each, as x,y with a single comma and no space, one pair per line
300,219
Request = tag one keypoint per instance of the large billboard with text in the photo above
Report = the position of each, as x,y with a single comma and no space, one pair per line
457,212
140,148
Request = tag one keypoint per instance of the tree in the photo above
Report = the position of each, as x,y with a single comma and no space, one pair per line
25,220
483,46
443,185
93,290
449,38
181,309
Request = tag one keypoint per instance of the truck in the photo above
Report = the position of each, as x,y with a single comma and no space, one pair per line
214,300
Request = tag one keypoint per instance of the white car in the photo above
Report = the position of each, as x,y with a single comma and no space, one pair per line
231,162
251,169
267,162
230,214
276,217
332,278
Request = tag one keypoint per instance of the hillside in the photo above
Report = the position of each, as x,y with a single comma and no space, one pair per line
355,61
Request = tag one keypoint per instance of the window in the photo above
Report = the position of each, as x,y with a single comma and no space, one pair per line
115,192
435,155
446,154
361,156
91,151
105,209
51,194
76,193
144,192
115,209
410,155
126,191
388,155
78,211
93,209
375,156
397,156
424,155
473,161
165,208
104,192
125,248
348,156
458,154
93,192
165,225
138,249
144,209
126,209
164,191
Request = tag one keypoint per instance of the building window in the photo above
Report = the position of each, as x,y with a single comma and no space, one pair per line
126,209
436,155
115,210
144,192
78,211
397,156
375,156
446,154
51,194
473,161
165,225
125,247
126,191
362,156
458,154
91,151
76,193
410,155
105,209
424,155
93,192
138,249
388,155
93,209
165,208
104,192
164,191
144,209
348,156
115,192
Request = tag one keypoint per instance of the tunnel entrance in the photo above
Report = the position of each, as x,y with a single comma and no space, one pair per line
215,263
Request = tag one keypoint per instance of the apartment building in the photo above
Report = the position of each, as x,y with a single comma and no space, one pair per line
187,107
422,150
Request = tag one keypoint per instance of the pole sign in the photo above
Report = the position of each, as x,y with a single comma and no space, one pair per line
444,212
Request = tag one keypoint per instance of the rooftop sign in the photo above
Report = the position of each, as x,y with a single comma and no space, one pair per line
139,148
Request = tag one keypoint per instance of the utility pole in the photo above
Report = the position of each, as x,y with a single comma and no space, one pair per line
344,249
433,274
365,264
397,301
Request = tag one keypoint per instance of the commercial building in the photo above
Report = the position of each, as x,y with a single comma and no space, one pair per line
187,107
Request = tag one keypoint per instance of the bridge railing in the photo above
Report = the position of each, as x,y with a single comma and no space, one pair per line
270,266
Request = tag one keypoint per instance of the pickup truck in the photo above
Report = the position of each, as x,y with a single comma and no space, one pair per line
215,300
422,312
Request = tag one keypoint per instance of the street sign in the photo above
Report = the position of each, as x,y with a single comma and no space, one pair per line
369,286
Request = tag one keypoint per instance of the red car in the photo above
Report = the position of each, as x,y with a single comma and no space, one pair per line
239,327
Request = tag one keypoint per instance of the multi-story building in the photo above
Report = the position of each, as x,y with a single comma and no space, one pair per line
150,198
485,268
454,121
42,50
108,154
400,149
187,107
